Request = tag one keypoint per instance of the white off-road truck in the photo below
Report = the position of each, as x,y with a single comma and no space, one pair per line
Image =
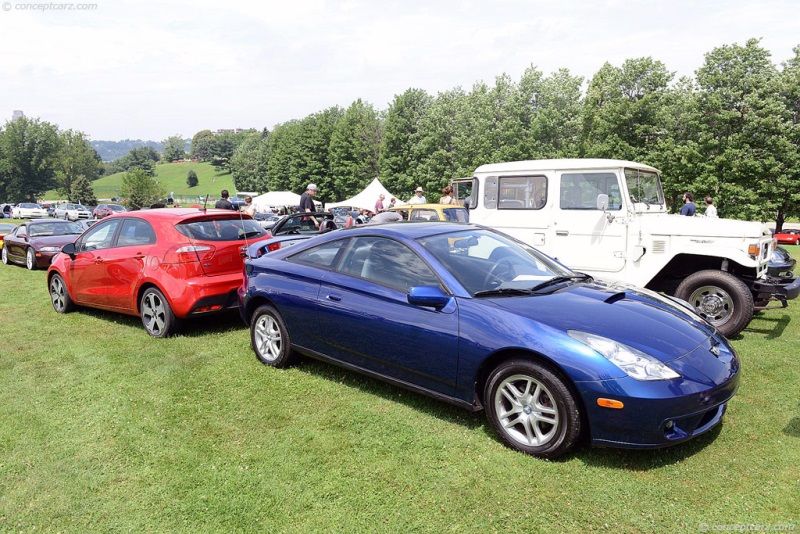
608,218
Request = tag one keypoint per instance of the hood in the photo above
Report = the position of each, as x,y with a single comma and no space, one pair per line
680,225
55,240
653,324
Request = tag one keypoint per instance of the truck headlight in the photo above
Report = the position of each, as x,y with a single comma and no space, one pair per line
634,363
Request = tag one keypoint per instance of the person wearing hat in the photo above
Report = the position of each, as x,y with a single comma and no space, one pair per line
307,202
418,198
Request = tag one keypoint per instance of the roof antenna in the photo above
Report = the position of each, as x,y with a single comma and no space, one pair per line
205,203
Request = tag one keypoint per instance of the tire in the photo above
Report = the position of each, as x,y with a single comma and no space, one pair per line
532,409
59,295
720,298
4,255
30,259
157,316
270,338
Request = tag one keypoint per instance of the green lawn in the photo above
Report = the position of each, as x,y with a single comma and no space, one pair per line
105,429
172,176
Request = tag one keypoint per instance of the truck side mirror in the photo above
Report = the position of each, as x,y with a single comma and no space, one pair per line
602,204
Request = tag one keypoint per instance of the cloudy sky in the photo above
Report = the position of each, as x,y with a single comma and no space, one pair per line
147,69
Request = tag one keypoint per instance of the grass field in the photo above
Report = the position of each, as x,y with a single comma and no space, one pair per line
172,176
103,429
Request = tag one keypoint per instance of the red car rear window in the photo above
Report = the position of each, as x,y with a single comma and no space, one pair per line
221,229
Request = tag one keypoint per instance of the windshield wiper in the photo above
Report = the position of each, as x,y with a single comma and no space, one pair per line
560,279
502,291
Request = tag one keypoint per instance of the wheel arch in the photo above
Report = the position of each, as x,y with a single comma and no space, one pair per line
144,287
683,265
254,303
496,359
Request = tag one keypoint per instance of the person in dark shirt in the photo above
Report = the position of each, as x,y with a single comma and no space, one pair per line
688,208
224,203
307,202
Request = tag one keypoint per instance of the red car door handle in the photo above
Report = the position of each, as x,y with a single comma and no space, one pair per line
98,260
139,256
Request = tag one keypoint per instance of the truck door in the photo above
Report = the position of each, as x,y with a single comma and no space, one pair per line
582,237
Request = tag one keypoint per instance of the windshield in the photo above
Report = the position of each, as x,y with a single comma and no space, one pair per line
644,186
485,261
52,228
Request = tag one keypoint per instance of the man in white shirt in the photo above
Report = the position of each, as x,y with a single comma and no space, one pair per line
418,198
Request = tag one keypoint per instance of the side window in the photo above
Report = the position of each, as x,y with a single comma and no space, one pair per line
322,256
388,263
522,192
136,232
465,191
579,191
22,231
490,193
98,237
424,215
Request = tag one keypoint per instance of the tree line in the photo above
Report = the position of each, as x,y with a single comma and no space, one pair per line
731,132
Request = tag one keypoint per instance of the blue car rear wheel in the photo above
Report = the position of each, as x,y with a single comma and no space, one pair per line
270,338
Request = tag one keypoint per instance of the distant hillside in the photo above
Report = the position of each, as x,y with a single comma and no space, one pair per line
111,150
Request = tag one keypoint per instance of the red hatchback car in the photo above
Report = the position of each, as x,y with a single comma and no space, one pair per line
162,265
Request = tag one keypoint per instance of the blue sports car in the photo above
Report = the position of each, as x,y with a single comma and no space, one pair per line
473,317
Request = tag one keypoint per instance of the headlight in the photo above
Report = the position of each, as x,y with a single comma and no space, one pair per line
50,249
635,363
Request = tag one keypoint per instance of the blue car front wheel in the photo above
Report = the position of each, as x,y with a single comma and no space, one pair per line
532,409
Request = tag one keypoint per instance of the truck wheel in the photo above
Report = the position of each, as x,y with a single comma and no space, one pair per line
719,297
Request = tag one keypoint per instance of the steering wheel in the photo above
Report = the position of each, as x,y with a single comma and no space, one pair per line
500,272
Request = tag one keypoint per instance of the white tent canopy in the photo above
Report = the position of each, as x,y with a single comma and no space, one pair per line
275,200
366,199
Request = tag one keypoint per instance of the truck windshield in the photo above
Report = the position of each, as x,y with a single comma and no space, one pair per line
644,186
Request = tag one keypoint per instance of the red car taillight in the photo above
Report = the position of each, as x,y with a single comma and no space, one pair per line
189,253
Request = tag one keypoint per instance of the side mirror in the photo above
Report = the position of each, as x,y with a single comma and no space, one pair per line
69,250
602,204
431,296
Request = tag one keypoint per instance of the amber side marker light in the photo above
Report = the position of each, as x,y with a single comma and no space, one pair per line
610,403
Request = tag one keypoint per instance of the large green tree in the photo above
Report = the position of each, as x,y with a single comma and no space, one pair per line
203,145
140,189
354,151
81,191
76,158
624,109
29,149
401,130
174,148
248,163
745,133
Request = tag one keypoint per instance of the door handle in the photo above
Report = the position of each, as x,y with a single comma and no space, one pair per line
562,232
98,261
139,256
335,298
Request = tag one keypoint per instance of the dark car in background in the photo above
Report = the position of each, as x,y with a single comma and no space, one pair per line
162,265
781,263
104,210
33,244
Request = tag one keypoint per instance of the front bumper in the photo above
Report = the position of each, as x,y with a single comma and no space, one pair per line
775,290
666,412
